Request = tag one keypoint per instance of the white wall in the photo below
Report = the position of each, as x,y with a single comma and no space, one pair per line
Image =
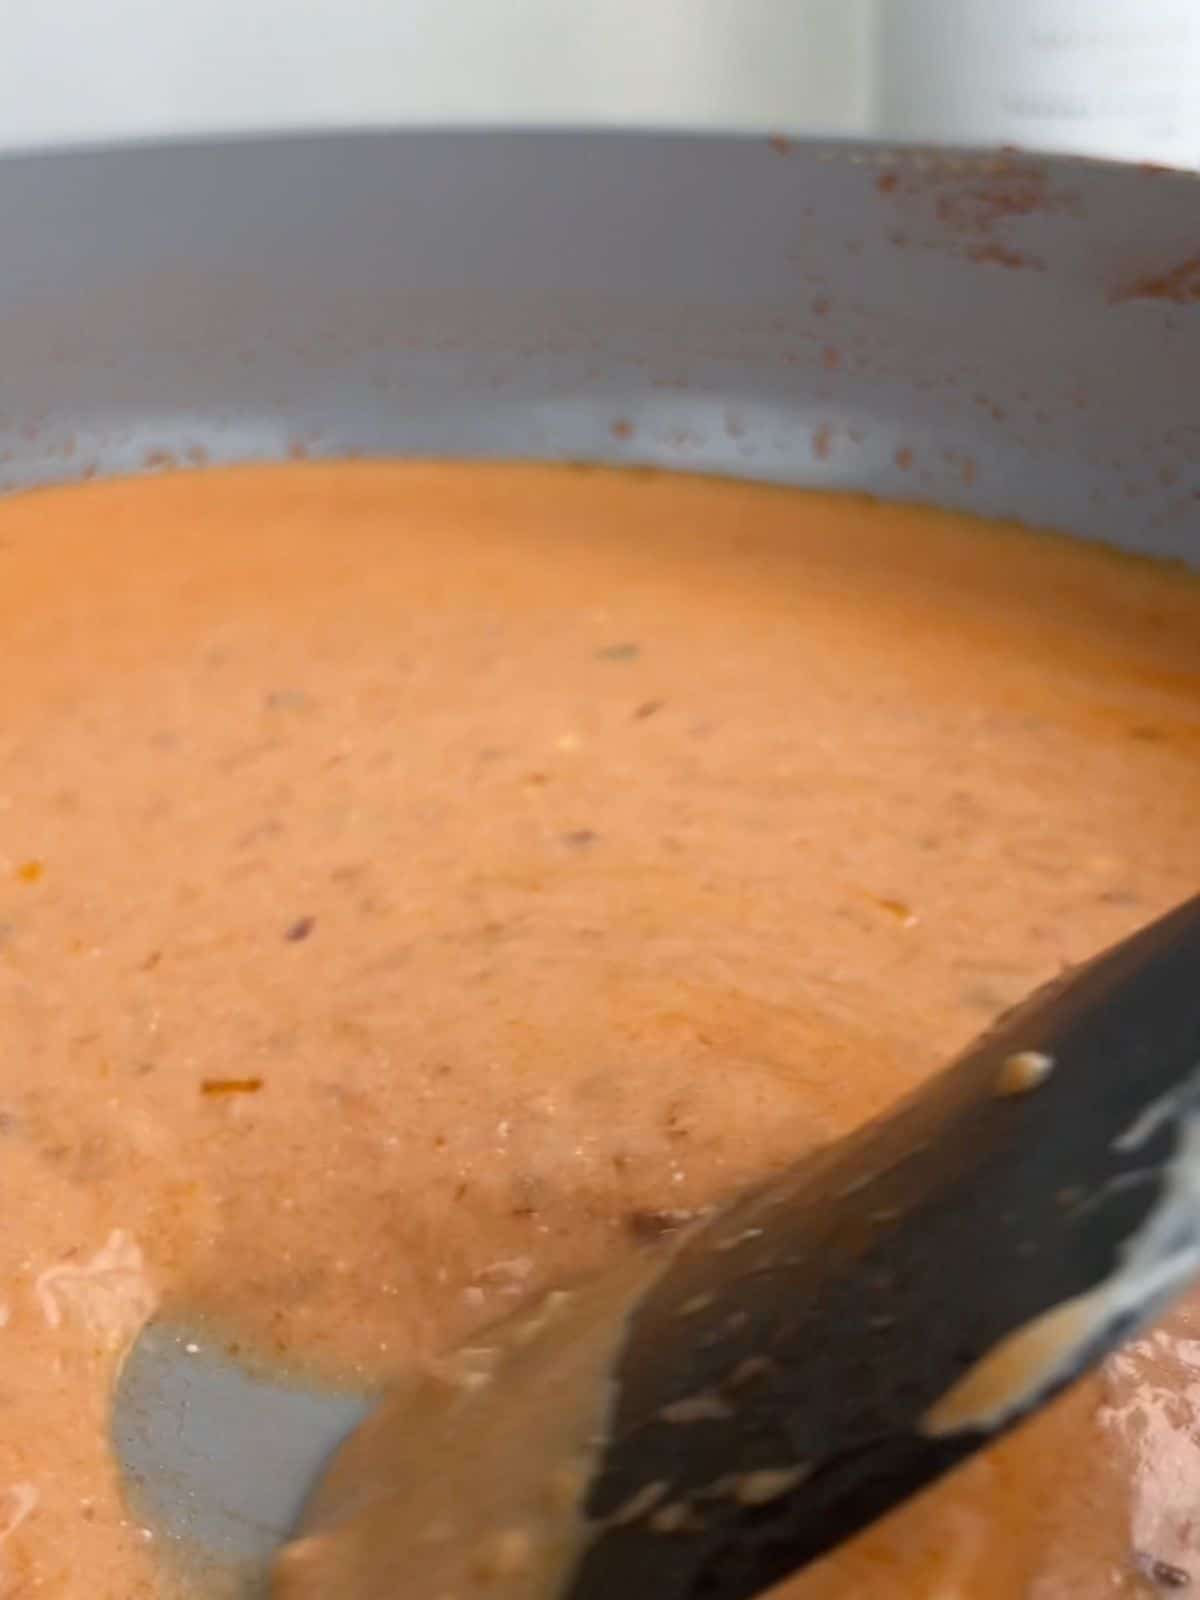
1118,77
74,70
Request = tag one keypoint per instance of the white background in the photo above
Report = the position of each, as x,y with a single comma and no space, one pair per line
1117,77
74,70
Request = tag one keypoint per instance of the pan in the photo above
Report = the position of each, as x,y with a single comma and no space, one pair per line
1003,333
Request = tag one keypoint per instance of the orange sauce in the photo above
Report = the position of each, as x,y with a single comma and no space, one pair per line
417,880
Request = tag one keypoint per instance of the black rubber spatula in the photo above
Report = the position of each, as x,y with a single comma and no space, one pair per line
704,1423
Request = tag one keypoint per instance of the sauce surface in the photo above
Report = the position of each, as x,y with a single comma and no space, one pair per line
420,883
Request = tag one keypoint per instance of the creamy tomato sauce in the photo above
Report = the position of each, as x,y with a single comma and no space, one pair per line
421,882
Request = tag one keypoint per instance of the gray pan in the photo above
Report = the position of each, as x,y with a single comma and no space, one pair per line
1007,334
